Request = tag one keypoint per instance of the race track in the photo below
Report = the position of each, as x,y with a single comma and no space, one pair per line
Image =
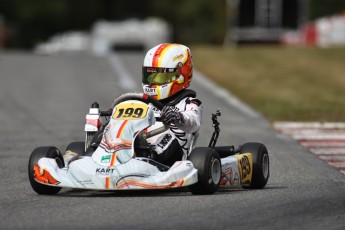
43,101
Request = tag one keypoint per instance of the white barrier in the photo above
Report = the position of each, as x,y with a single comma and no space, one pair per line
323,32
330,31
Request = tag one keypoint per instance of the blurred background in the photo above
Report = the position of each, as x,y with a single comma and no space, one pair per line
294,48
26,23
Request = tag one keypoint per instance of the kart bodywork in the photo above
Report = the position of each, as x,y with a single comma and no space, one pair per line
116,163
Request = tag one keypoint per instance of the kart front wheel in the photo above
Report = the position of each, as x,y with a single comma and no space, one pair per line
260,168
208,164
77,147
38,153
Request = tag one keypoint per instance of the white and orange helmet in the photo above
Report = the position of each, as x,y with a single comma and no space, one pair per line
167,69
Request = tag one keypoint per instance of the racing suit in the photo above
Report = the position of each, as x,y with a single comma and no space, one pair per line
177,142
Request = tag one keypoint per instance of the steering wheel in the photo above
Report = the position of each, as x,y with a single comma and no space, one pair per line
146,99
141,138
138,96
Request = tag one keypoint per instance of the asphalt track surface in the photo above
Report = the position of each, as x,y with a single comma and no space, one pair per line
43,101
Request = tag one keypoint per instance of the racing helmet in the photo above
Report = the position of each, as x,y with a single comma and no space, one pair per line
167,69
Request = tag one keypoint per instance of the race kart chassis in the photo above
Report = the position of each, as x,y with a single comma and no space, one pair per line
108,159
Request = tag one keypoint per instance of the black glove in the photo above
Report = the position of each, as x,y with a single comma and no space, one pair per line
169,115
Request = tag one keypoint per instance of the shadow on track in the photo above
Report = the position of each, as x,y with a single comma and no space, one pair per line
151,193
124,193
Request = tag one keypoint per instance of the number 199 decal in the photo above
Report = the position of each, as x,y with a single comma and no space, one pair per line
245,163
130,111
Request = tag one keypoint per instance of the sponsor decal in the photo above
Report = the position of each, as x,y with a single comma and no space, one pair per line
245,167
151,69
130,111
228,172
178,57
106,159
226,169
105,171
166,139
171,70
86,182
150,91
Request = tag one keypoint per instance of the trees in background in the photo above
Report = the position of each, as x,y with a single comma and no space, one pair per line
193,21
32,21
321,8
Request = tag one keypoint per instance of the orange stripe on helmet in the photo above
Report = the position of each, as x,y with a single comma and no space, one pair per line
159,54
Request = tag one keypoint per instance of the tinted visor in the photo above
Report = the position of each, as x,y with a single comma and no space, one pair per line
159,76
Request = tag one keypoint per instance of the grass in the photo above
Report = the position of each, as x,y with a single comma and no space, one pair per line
282,83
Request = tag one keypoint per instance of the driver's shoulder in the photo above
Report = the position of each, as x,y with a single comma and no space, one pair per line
195,101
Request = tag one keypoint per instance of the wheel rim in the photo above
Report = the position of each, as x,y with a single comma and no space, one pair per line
215,171
265,165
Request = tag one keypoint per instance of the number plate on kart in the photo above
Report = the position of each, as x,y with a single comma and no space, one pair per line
130,111
245,167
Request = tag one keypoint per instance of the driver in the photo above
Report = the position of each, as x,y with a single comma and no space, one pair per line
166,75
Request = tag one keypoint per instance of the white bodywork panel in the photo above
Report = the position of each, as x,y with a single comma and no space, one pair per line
113,165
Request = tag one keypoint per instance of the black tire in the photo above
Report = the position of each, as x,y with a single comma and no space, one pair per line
38,153
261,171
77,147
208,164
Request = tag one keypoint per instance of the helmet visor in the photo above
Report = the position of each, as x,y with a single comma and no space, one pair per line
159,76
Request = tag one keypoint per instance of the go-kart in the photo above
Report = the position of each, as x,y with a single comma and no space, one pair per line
116,156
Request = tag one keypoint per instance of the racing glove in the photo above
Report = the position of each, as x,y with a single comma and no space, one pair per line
169,115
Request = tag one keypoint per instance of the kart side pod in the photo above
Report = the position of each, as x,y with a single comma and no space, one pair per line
251,158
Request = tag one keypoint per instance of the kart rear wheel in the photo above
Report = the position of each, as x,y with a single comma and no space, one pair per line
260,171
38,153
208,164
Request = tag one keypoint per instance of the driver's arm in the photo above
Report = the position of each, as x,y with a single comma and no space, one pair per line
188,120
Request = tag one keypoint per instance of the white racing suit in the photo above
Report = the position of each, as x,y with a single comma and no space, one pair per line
185,134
